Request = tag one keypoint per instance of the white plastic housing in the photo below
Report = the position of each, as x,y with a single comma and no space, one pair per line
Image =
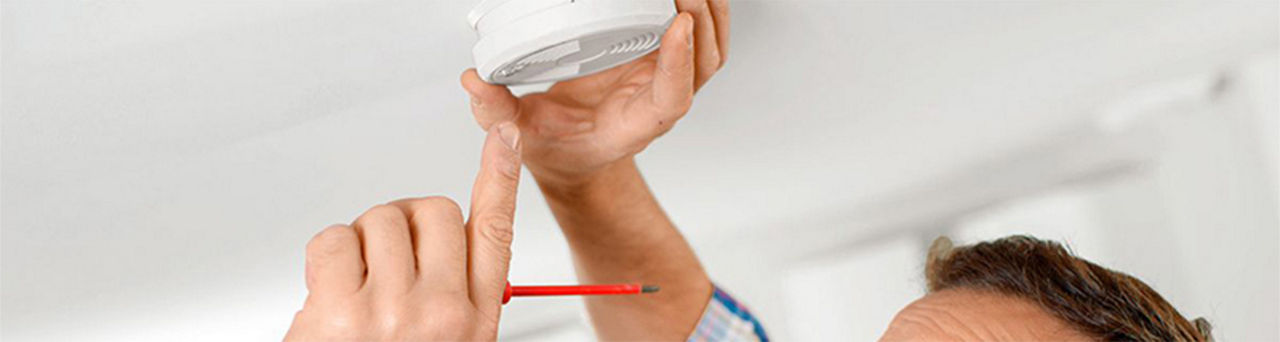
535,41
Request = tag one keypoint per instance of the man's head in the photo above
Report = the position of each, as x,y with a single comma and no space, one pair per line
1024,289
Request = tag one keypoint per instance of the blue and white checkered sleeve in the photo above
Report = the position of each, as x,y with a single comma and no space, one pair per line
727,320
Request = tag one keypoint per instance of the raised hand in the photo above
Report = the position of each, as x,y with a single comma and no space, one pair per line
412,270
585,125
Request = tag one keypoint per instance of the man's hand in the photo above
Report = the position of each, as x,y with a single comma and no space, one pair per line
585,125
412,270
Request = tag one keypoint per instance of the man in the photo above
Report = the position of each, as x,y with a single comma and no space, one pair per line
1023,289
415,270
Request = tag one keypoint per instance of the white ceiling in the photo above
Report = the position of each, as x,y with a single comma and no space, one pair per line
165,161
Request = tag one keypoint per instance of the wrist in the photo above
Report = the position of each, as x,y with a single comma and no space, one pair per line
557,185
614,202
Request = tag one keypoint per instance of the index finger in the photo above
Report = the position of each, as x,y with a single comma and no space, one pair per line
493,206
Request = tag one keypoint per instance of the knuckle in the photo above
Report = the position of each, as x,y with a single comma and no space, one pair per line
437,206
497,228
329,241
380,215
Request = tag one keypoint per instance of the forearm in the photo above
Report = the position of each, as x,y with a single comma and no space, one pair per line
619,233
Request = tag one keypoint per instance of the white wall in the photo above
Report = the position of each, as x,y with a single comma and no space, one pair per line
165,161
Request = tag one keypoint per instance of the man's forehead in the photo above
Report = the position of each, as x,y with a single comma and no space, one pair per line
969,315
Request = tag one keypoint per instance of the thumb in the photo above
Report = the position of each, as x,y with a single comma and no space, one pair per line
490,103
493,206
673,84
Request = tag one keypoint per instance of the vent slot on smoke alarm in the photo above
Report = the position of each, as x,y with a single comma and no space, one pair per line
579,57
640,43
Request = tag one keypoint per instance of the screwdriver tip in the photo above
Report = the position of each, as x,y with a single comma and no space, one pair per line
649,289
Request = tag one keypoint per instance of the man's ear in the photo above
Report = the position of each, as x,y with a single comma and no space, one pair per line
939,252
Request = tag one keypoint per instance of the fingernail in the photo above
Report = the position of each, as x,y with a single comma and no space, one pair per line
475,101
510,134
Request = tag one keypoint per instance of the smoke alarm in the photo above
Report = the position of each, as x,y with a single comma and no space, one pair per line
535,41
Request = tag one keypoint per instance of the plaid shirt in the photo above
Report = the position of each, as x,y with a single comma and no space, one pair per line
726,320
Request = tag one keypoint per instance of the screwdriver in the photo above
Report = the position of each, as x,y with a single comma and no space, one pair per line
576,290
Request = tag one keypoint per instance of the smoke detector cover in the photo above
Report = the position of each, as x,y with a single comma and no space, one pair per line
535,41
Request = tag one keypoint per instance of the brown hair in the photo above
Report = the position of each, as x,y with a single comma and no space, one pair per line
1106,304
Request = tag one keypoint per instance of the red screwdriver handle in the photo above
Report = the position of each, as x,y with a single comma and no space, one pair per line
506,294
